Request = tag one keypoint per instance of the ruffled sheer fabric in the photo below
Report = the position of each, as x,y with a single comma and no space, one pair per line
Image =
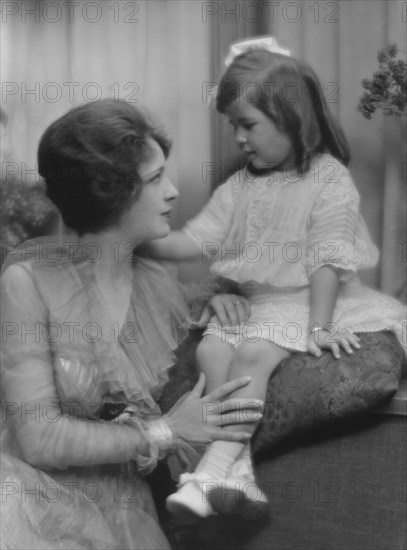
67,368
268,233
75,325
97,507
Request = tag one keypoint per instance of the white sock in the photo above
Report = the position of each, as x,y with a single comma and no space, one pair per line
245,455
219,458
243,464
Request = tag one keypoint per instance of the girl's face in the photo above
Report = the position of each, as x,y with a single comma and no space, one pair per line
264,145
149,217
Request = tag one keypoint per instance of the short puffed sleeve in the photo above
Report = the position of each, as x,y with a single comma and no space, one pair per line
211,226
338,235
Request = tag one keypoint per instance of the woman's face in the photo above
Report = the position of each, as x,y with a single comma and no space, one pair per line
149,217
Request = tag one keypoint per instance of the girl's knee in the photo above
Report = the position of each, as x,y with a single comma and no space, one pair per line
258,355
212,349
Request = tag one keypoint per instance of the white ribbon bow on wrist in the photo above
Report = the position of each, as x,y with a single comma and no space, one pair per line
265,43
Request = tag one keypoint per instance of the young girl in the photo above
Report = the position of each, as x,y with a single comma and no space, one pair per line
287,230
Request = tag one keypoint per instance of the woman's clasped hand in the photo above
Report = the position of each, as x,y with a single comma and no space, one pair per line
202,418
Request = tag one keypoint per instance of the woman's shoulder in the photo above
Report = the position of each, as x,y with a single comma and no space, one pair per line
17,268
20,292
153,267
158,275
17,274
42,267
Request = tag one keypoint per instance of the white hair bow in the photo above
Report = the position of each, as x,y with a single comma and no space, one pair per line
265,43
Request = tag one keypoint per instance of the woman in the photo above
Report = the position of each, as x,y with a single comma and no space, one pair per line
89,334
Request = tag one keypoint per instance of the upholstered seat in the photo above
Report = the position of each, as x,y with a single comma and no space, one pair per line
330,454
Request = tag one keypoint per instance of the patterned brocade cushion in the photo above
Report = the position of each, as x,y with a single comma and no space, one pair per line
304,391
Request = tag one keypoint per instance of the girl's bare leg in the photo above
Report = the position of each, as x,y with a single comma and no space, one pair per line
221,363
239,493
257,360
214,357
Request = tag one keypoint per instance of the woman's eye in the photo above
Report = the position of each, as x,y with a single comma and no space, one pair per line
250,125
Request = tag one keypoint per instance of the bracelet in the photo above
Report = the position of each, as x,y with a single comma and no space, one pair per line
315,329
161,434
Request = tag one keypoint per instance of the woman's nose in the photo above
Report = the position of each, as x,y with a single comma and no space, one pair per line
171,192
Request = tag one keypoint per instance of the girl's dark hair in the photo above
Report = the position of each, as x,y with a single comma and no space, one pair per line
90,159
289,93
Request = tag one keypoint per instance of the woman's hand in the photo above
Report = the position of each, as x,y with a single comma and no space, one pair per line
230,309
200,419
324,339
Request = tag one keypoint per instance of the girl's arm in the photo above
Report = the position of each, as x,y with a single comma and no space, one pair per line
324,283
338,244
202,235
324,290
176,246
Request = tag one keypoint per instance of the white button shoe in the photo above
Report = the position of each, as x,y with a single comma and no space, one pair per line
239,494
192,496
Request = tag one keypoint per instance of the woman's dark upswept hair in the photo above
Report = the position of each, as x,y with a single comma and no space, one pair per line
289,93
90,158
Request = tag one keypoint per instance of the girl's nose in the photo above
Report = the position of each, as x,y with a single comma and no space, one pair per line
240,137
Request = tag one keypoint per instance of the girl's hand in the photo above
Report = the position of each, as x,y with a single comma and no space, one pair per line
323,339
200,419
230,309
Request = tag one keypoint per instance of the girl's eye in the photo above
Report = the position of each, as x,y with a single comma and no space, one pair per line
250,125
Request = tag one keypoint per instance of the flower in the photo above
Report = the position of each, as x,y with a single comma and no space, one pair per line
387,90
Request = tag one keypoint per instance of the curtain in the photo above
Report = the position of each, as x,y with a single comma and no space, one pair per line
56,55
340,40
166,54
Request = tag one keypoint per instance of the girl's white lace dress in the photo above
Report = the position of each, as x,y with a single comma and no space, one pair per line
269,232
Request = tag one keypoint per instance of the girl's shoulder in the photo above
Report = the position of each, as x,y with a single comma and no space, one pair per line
248,175
238,177
233,185
328,173
325,163
332,184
